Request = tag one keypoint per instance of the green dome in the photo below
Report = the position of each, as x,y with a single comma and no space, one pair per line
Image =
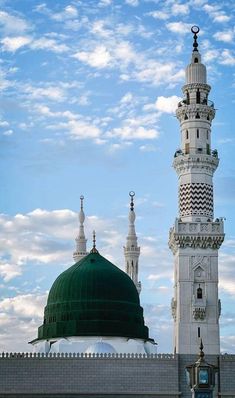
93,298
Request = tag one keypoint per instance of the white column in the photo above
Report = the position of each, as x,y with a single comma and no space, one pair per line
132,250
196,236
80,240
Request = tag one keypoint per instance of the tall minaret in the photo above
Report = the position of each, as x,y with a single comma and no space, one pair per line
81,240
196,236
132,250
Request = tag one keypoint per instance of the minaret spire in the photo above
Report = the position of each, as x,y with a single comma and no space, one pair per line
195,30
196,236
81,240
132,250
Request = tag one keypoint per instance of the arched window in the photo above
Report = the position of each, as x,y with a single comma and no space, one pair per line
188,98
197,116
196,60
207,135
199,292
186,135
185,117
197,133
198,97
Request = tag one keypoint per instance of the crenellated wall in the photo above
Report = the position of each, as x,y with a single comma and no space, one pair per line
96,376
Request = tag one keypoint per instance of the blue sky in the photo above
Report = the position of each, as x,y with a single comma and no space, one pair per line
88,93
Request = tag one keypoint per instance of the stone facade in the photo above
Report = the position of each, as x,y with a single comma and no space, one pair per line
160,376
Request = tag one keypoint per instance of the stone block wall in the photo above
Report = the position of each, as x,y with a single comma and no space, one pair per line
155,376
124,376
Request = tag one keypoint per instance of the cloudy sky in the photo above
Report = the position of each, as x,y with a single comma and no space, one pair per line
88,93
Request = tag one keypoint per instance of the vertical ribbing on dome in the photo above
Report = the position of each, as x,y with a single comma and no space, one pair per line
80,240
132,250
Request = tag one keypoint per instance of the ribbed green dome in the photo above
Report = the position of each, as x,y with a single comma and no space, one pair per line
93,298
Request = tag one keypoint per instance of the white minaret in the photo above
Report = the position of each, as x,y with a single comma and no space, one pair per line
81,240
132,250
196,236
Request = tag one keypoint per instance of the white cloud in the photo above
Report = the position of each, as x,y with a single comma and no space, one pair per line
27,305
159,15
221,18
79,129
8,132
20,317
12,24
105,3
98,58
4,123
167,104
54,93
49,44
127,98
178,9
227,58
134,133
225,36
216,13
12,44
133,3
181,28
69,12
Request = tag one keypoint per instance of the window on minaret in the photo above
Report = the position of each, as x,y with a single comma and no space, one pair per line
188,98
198,97
197,133
186,134
186,149
197,116
207,135
199,293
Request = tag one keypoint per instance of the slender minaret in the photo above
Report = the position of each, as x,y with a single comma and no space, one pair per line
196,236
81,240
132,250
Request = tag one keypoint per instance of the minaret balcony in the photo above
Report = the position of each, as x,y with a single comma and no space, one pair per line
196,234
184,163
194,111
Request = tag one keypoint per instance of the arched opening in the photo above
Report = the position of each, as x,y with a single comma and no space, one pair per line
197,116
198,97
197,133
196,60
185,117
199,292
186,135
187,98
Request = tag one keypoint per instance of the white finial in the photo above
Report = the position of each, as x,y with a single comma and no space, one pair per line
80,239
132,251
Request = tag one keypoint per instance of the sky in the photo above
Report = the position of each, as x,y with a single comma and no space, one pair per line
88,97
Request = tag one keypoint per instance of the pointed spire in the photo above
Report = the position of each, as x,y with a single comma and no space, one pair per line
195,30
131,250
80,239
94,250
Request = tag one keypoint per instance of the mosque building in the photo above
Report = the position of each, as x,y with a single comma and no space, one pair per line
94,342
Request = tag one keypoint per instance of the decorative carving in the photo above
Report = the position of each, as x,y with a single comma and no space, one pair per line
187,163
203,242
199,314
196,199
173,308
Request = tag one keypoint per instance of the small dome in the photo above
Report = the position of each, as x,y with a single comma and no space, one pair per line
100,348
93,298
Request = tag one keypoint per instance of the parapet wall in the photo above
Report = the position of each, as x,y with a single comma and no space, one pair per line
105,376
83,375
